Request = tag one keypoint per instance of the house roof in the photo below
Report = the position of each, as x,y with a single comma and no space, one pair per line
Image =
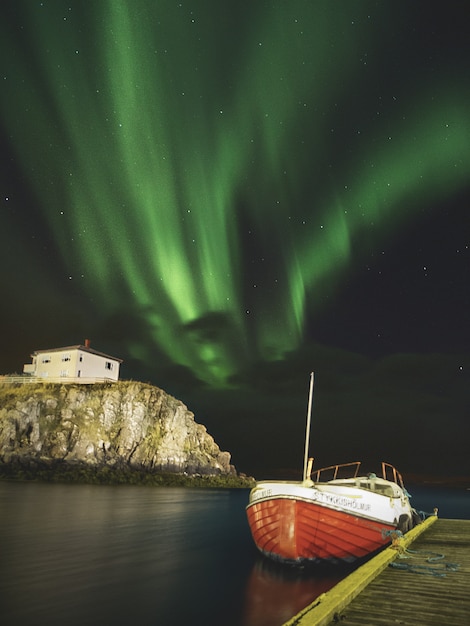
79,347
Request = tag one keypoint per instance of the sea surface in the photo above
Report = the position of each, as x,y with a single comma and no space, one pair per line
105,555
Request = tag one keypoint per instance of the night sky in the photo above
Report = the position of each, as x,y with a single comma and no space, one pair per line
229,194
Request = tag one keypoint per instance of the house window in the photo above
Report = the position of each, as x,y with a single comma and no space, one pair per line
46,359
81,358
108,365
64,373
66,357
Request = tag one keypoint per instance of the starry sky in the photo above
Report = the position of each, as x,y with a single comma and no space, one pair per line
229,194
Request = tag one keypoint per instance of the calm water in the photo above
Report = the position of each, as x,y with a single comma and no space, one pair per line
79,554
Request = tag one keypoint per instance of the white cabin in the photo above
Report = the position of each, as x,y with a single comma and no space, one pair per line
73,362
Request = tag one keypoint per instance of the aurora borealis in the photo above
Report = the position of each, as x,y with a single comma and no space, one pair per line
199,185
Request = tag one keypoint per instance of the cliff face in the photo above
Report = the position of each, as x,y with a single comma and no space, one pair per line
117,424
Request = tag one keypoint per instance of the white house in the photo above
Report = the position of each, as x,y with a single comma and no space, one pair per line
73,362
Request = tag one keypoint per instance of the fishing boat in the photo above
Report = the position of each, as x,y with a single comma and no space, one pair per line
335,515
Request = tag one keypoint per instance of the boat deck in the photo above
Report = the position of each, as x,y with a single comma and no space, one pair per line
412,591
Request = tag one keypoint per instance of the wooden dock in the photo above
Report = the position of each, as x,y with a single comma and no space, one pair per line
404,589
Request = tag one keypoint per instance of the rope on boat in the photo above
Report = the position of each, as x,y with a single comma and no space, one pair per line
424,514
397,538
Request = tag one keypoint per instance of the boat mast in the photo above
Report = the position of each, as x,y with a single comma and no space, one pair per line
307,430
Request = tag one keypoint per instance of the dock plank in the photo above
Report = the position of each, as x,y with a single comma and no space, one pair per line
405,597
378,594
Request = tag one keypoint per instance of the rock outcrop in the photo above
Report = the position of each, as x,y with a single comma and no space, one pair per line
125,424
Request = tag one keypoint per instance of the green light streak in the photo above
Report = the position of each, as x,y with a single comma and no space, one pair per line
143,149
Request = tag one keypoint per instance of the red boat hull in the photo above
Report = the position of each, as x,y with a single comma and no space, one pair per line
295,530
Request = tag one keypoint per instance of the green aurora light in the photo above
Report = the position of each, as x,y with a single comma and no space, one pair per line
172,157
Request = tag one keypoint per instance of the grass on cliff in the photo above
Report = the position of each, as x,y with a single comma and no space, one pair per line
83,474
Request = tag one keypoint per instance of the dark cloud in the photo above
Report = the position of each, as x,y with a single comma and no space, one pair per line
211,327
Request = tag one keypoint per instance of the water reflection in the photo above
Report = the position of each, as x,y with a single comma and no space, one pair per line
80,554
85,554
275,593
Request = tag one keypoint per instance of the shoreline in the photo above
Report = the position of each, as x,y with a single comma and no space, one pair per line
83,474
61,472
423,480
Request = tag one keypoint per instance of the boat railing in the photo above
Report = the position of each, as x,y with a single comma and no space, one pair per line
391,473
351,470
332,472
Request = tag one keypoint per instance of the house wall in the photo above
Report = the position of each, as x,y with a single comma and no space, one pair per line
75,364
95,366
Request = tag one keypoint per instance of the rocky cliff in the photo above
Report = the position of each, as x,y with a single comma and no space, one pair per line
121,425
